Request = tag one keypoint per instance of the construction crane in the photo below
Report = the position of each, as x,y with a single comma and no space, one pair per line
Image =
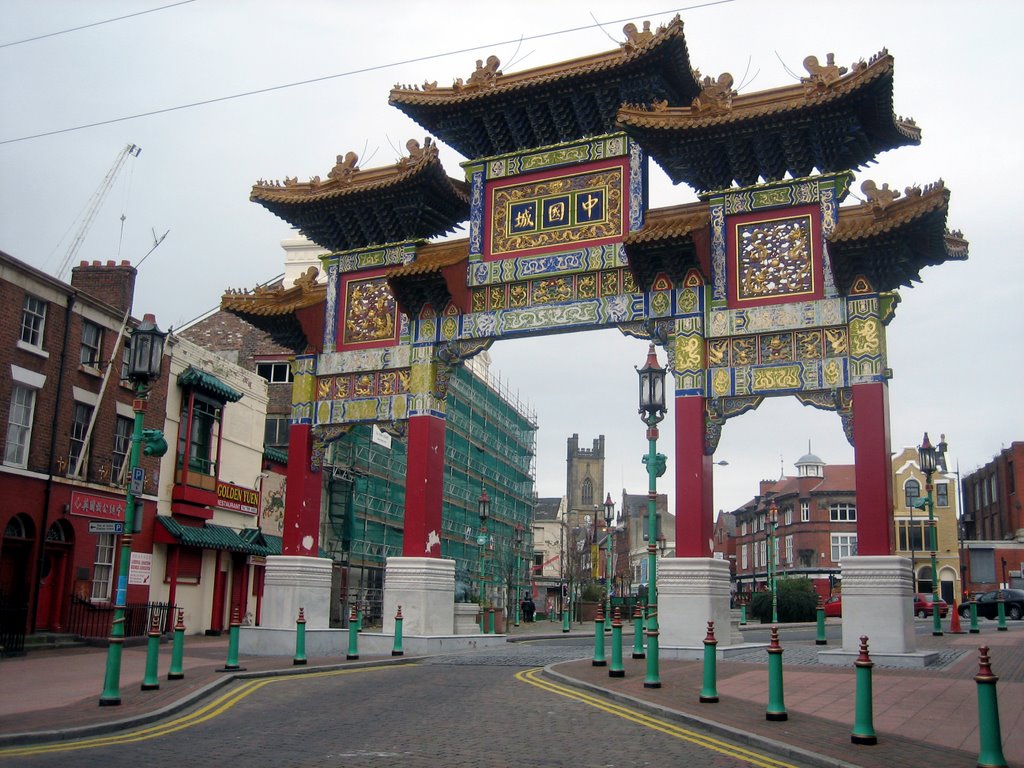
94,205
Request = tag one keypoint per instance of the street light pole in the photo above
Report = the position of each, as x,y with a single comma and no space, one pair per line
144,361
928,455
652,411
773,523
484,509
516,579
609,516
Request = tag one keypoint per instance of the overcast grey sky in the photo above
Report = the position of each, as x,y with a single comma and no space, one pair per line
954,345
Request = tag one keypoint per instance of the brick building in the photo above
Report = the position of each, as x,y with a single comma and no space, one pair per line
69,420
993,522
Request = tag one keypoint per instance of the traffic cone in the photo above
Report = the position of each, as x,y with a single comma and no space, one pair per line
954,622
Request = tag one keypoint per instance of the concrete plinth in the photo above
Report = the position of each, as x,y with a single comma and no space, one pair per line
425,588
292,582
466,619
878,602
691,592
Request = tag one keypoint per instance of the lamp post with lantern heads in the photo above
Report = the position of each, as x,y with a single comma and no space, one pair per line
652,411
609,516
773,524
929,456
516,577
144,362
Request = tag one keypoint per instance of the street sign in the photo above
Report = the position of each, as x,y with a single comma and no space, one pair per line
138,481
105,526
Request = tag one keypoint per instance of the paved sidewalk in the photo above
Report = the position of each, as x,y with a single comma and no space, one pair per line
922,717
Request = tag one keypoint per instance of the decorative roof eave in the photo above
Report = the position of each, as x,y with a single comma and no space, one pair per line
274,308
890,238
209,536
671,242
437,276
354,208
494,113
206,382
744,127
488,82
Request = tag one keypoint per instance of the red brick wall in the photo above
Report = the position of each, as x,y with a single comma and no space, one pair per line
111,283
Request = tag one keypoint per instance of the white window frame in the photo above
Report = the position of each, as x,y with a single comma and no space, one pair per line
787,516
19,426
77,436
95,350
33,323
743,528
122,446
843,545
275,371
103,568
805,511
842,512
789,549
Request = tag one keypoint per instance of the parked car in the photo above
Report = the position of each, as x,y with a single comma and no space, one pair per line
923,605
834,606
988,604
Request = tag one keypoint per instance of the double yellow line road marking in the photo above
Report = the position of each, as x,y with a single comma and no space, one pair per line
533,677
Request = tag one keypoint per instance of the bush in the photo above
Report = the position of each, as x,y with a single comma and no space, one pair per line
796,601
592,593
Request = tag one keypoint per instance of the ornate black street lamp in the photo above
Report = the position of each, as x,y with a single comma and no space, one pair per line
929,458
652,410
144,360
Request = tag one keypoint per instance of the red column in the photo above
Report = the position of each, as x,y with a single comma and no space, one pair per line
424,487
873,468
301,535
694,481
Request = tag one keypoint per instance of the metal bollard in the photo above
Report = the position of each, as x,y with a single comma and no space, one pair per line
359,619
864,724
599,660
300,638
396,650
821,639
353,635
490,620
616,669
776,706
743,615
989,735
150,681
231,665
177,672
709,693
974,617
1001,606
638,632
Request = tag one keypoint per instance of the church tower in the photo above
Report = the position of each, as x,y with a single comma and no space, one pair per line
584,487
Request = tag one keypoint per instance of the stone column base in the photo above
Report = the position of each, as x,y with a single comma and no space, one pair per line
691,592
291,582
466,619
425,588
878,602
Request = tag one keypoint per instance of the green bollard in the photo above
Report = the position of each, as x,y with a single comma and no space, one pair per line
300,639
150,681
974,617
989,734
599,660
864,725
776,706
565,616
616,669
743,615
359,620
1001,606
638,632
821,639
396,650
231,665
490,620
709,693
353,635
177,672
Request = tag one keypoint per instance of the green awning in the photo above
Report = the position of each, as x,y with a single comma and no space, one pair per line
210,536
208,383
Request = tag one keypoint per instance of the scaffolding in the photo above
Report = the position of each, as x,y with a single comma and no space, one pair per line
490,445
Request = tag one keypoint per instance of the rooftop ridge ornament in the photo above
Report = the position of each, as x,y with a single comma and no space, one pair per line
822,76
345,167
484,76
878,198
417,154
636,38
715,95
